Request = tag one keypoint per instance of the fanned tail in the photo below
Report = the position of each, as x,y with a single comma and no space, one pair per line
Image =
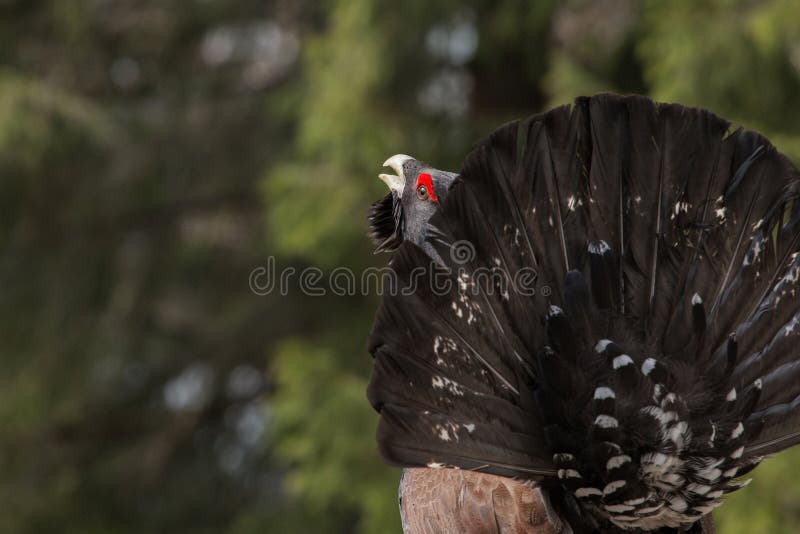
624,323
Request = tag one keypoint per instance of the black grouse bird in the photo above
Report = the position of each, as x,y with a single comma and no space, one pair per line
648,358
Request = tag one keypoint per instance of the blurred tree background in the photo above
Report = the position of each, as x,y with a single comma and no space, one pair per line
153,153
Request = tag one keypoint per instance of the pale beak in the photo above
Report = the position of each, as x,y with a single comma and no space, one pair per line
396,182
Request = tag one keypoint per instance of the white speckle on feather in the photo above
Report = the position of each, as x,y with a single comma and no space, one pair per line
681,207
792,275
678,504
711,475
554,311
730,473
587,492
441,382
635,502
622,360
550,220
443,434
442,346
637,198
731,396
463,282
470,427
757,384
599,247
617,461
696,299
435,465
758,247
678,433
648,365
611,487
698,489
720,213
669,417
738,431
570,473
660,460
603,392
737,453
792,325
602,344
606,421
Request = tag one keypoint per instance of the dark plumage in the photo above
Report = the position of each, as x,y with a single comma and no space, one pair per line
386,223
657,361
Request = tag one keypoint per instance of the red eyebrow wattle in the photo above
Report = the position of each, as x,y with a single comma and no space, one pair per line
425,179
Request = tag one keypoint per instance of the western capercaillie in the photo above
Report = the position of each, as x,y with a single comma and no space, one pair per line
651,360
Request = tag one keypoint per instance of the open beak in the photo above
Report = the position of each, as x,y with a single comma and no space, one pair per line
396,182
386,215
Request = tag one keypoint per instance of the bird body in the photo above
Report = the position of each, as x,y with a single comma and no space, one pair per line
648,358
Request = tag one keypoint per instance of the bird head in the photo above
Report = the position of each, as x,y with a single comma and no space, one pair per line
415,192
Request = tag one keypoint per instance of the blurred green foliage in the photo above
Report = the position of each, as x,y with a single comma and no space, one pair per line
152,154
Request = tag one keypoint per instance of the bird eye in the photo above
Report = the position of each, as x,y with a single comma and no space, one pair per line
424,188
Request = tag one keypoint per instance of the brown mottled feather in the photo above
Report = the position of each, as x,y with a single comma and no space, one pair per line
436,501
